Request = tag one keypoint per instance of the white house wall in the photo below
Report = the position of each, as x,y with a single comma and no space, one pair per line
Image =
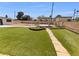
4,21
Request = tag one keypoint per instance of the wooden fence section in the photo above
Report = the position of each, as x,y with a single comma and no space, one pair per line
32,22
73,26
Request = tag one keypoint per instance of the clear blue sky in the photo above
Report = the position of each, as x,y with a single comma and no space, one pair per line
35,9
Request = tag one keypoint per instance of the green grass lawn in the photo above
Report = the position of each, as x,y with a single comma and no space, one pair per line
25,42
69,40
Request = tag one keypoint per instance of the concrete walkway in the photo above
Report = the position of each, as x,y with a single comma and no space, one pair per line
15,26
60,50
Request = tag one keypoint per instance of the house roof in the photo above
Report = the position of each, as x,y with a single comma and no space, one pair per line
66,17
3,17
63,16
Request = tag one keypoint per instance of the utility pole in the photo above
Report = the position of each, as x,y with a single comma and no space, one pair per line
14,14
77,13
74,14
52,5
52,10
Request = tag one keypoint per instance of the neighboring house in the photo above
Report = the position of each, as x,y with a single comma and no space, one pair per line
57,18
3,20
63,18
43,18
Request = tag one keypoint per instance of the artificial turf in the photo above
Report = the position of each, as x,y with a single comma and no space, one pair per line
24,42
69,40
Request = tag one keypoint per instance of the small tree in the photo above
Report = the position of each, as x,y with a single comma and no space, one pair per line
69,20
19,15
77,19
26,17
6,16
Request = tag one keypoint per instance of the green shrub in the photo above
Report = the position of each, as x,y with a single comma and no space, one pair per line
9,20
37,28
